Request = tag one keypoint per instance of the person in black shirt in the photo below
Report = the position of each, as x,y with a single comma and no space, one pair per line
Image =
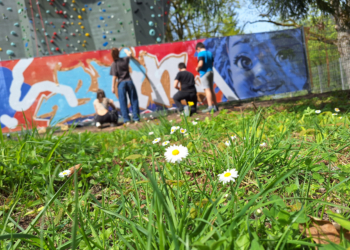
187,91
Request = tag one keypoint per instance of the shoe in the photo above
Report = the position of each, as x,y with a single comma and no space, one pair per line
113,124
216,108
127,123
136,122
209,109
98,125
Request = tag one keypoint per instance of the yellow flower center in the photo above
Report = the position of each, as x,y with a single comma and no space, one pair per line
176,152
182,130
227,174
64,173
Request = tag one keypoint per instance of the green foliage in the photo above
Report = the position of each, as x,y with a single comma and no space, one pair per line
128,197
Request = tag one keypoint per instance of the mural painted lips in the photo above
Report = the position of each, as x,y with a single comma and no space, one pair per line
267,87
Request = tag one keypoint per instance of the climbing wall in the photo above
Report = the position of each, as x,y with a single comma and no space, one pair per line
52,27
150,19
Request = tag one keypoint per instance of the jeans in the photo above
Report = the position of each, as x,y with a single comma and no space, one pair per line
189,97
111,116
128,87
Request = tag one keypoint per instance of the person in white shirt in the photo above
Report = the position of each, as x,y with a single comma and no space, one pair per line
103,115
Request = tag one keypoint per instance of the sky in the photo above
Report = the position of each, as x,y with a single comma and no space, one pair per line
249,12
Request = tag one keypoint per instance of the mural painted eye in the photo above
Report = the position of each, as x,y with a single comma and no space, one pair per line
243,62
285,54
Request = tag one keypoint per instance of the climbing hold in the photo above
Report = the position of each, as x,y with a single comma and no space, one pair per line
13,44
151,7
51,23
166,13
151,23
84,41
159,39
83,9
66,37
152,15
82,27
79,23
71,23
73,1
112,16
78,41
113,38
110,32
106,25
9,9
13,33
42,41
83,45
61,12
105,44
57,49
159,15
103,10
46,53
80,17
55,33
52,49
98,26
121,23
99,3
48,12
104,37
67,45
37,15
101,18
16,24
20,11
90,9
87,34
46,22
62,26
52,41
63,4
10,52
46,34
0,49
152,32
74,9
64,12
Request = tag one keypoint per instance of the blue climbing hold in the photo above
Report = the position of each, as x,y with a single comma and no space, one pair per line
109,16
26,45
90,9
159,15
106,25
46,34
37,15
46,22
48,12
16,24
101,18
98,26
105,44
103,10
19,11
111,32
151,7
42,41
13,33
152,15
53,26
152,32
159,39
99,3
151,23
52,49
13,44
10,52
104,37
46,53
86,5
9,9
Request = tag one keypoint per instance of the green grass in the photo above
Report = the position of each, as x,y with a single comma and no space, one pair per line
128,197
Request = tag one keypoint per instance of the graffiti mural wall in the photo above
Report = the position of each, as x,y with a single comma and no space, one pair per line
61,89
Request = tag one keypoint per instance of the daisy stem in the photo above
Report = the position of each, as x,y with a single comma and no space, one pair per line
233,198
183,174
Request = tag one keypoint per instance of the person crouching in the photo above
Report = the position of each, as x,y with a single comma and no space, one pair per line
187,89
103,115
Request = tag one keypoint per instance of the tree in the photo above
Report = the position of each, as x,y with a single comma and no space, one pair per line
191,19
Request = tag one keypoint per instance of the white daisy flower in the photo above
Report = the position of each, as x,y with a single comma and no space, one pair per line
64,173
318,111
263,144
156,140
165,143
233,137
182,130
197,119
226,195
175,153
258,211
227,143
194,123
340,117
334,114
150,133
228,175
186,134
337,110
177,127
147,120
171,121
172,130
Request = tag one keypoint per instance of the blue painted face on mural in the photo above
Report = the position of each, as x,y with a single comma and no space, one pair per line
267,64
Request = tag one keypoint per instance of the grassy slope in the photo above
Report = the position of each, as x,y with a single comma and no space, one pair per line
128,197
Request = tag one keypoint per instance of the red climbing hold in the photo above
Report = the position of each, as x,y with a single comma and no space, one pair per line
73,34
61,12
51,41
166,12
52,0
51,3
66,37
63,4
57,49
51,23
53,37
67,45
57,11
62,26
63,23
55,33
65,16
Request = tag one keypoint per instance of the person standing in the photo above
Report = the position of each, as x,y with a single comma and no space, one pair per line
205,69
187,91
120,71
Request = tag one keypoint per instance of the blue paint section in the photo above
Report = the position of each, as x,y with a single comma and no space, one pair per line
5,83
24,90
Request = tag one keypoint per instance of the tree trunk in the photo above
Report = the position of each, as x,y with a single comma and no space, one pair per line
344,50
